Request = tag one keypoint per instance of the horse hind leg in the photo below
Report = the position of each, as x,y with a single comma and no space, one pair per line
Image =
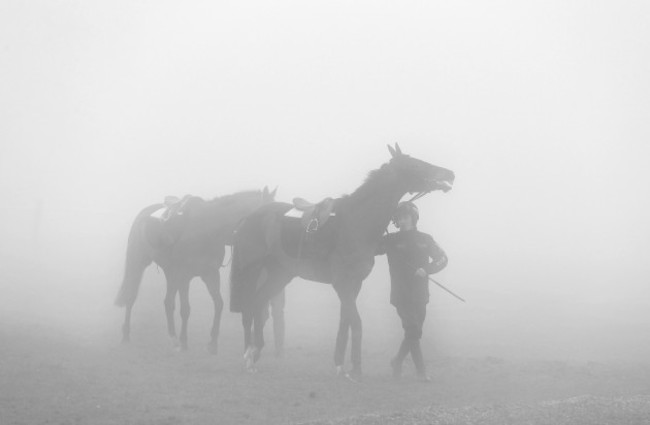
129,292
277,279
249,348
128,302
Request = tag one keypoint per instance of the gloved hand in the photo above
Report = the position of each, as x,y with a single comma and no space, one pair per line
421,272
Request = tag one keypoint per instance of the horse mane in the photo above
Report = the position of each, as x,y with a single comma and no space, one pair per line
223,206
374,181
231,201
225,200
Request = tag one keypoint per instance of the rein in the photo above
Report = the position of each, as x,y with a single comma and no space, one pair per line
414,198
418,196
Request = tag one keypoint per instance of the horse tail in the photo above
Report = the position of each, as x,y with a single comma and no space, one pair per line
242,269
138,257
236,278
249,253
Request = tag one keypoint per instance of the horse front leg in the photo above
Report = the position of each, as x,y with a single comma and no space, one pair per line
253,341
126,327
170,305
259,321
184,292
276,279
355,345
350,320
341,341
249,348
277,313
213,283
258,276
247,323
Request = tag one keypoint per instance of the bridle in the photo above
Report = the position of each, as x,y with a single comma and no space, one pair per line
418,196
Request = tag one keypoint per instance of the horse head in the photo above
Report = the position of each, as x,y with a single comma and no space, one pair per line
417,175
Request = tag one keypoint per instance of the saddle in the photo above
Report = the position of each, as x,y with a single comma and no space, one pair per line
309,230
175,206
314,216
167,226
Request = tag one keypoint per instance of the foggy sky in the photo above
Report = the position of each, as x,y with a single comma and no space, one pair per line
540,108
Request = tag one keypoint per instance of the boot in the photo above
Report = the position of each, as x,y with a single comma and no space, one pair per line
396,362
416,355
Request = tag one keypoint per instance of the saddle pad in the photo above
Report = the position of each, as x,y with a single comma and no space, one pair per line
296,213
293,213
159,212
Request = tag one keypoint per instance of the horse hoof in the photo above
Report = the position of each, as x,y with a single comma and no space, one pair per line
340,372
212,348
352,376
176,344
249,359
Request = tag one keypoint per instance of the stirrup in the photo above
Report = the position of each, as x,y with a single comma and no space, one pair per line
312,226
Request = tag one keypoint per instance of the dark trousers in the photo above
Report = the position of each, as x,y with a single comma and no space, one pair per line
412,316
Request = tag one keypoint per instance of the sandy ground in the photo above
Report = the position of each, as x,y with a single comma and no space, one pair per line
574,410
61,362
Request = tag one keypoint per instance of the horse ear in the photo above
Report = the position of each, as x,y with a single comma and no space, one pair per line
392,151
274,192
265,191
397,149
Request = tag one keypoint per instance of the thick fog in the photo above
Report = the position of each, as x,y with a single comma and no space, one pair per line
540,108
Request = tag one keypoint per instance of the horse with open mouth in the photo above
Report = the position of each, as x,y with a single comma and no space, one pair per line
270,249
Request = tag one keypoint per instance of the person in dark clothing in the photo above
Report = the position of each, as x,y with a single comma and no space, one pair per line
412,256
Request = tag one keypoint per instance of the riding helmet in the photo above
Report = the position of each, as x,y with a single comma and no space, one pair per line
407,207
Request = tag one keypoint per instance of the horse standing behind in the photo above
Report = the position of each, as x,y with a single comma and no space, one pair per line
190,242
344,257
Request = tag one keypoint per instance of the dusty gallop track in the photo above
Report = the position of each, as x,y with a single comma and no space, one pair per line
571,411
61,362
48,378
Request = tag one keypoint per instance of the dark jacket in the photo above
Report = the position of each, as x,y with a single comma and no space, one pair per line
408,251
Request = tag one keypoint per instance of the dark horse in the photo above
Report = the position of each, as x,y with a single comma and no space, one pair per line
189,242
341,252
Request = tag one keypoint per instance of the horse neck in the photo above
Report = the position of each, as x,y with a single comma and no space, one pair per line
371,210
225,218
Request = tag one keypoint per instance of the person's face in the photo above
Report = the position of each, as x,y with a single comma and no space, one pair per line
405,221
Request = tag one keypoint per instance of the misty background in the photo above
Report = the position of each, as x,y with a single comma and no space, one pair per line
540,108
